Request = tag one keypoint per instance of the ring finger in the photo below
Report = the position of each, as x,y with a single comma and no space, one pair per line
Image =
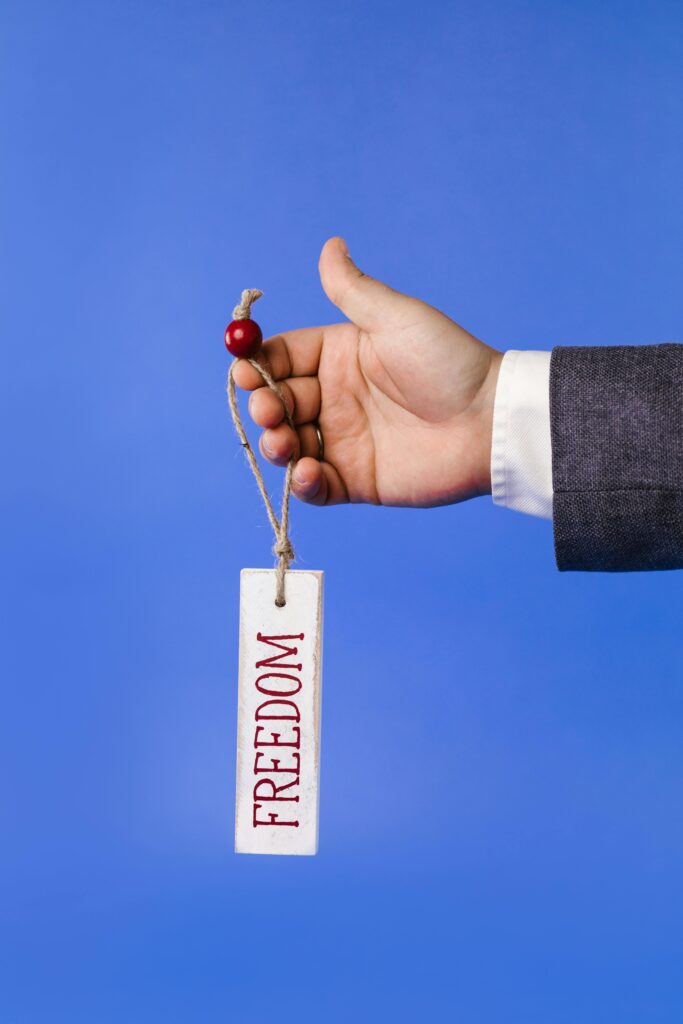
278,444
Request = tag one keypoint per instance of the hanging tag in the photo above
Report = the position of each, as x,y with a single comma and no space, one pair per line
278,715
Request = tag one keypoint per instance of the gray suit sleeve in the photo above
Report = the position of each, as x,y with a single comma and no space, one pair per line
616,423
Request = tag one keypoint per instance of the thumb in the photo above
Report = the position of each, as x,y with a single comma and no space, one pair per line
362,299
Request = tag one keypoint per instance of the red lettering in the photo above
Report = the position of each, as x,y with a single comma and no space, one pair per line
296,717
284,649
277,693
273,819
274,790
279,710
275,764
276,738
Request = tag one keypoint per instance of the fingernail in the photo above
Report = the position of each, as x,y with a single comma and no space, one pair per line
266,447
299,476
344,247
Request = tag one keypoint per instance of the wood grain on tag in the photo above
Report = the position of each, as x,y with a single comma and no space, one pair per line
278,716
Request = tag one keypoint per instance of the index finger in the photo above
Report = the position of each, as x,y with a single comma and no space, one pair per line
291,354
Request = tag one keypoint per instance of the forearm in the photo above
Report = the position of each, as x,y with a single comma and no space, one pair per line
594,437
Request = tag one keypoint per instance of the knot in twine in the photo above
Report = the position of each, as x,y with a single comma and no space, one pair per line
282,549
242,310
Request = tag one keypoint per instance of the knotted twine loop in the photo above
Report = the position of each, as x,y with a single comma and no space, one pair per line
282,548
242,310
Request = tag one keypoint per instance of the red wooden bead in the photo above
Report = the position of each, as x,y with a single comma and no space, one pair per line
243,338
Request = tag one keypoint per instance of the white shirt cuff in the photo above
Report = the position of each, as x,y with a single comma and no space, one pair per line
521,455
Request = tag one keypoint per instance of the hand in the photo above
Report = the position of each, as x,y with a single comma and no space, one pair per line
403,396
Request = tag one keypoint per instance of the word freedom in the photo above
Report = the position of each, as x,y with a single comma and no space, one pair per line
277,771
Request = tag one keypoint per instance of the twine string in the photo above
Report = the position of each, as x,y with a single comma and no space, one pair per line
282,548
242,310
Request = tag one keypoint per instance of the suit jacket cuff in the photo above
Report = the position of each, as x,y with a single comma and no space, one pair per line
617,454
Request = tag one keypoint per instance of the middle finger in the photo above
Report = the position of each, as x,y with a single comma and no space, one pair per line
302,395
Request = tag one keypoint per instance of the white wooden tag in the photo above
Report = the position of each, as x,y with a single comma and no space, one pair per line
278,714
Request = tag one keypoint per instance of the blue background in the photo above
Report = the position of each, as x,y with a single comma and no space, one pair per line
501,834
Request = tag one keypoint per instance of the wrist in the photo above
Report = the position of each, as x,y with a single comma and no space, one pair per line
483,432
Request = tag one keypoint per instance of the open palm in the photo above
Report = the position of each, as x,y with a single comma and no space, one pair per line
402,394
